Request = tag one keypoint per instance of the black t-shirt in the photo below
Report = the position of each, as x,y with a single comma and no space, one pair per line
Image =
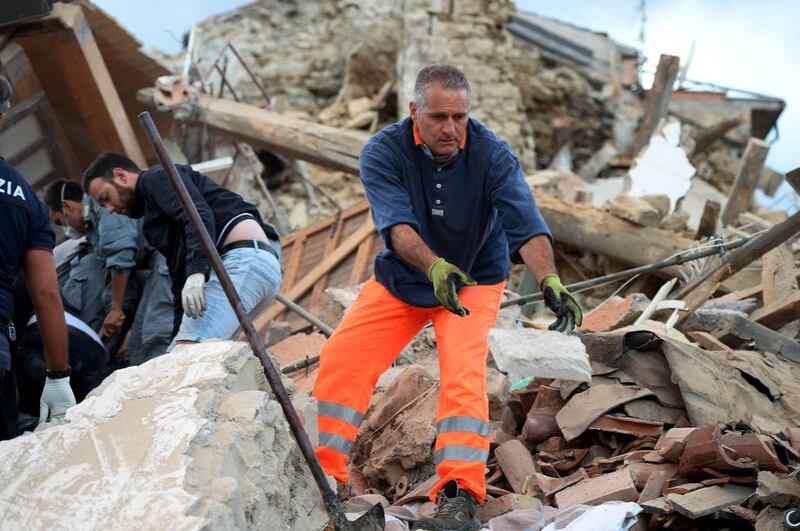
24,225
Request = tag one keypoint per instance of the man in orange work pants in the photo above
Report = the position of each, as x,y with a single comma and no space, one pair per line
452,205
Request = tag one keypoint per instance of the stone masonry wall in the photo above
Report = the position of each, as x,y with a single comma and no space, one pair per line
468,34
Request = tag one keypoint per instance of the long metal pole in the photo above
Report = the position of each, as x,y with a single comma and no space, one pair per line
332,503
661,264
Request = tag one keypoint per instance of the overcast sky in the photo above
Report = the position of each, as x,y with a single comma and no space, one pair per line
751,45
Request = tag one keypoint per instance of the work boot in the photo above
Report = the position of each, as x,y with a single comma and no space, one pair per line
455,511
344,491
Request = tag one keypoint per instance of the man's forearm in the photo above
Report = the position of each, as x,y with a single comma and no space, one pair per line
408,244
119,283
537,253
40,276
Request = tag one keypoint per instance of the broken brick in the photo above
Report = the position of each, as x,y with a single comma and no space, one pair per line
614,313
506,504
652,489
628,426
708,500
516,462
608,487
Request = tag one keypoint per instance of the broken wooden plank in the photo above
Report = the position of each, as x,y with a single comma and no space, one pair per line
708,500
709,220
778,273
741,193
292,137
652,489
516,463
793,178
702,287
765,339
707,137
778,313
597,162
77,57
657,100
594,230
708,342
307,282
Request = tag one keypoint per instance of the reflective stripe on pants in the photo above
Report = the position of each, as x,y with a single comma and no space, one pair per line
370,337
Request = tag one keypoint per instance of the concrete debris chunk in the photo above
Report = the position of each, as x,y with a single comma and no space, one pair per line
189,439
398,432
778,490
527,352
635,210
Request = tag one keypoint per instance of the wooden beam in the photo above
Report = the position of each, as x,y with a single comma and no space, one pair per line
746,181
707,137
657,101
292,137
778,274
701,288
597,162
595,230
793,178
307,282
778,313
363,257
77,56
708,220
765,339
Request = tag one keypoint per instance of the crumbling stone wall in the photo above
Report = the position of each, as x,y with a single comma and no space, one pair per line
297,49
468,34
559,100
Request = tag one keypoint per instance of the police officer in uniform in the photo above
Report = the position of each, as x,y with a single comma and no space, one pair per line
27,243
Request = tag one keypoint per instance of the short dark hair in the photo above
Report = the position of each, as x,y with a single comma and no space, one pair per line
447,76
103,166
59,189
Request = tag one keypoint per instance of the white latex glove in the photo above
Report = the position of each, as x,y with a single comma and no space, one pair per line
193,297
57,398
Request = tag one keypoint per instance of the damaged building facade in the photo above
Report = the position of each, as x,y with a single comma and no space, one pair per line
675,405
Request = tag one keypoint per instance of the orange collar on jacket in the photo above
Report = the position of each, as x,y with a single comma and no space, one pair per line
418,138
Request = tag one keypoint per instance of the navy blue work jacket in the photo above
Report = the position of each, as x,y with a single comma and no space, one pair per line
475,212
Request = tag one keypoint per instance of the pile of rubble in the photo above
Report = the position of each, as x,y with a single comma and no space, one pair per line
660,428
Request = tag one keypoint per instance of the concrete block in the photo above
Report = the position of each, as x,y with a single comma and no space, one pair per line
526,352
634,209
189,440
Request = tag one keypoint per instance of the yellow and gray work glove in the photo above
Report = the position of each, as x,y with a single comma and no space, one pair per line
192,296
444,277
558,299
57,398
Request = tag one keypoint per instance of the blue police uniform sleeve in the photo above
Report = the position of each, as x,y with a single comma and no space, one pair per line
117,241
41,235
388,198
512,197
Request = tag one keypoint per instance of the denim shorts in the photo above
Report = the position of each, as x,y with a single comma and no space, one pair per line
256,275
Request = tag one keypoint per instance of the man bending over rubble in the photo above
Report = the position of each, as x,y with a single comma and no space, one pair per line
451,203
249,247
